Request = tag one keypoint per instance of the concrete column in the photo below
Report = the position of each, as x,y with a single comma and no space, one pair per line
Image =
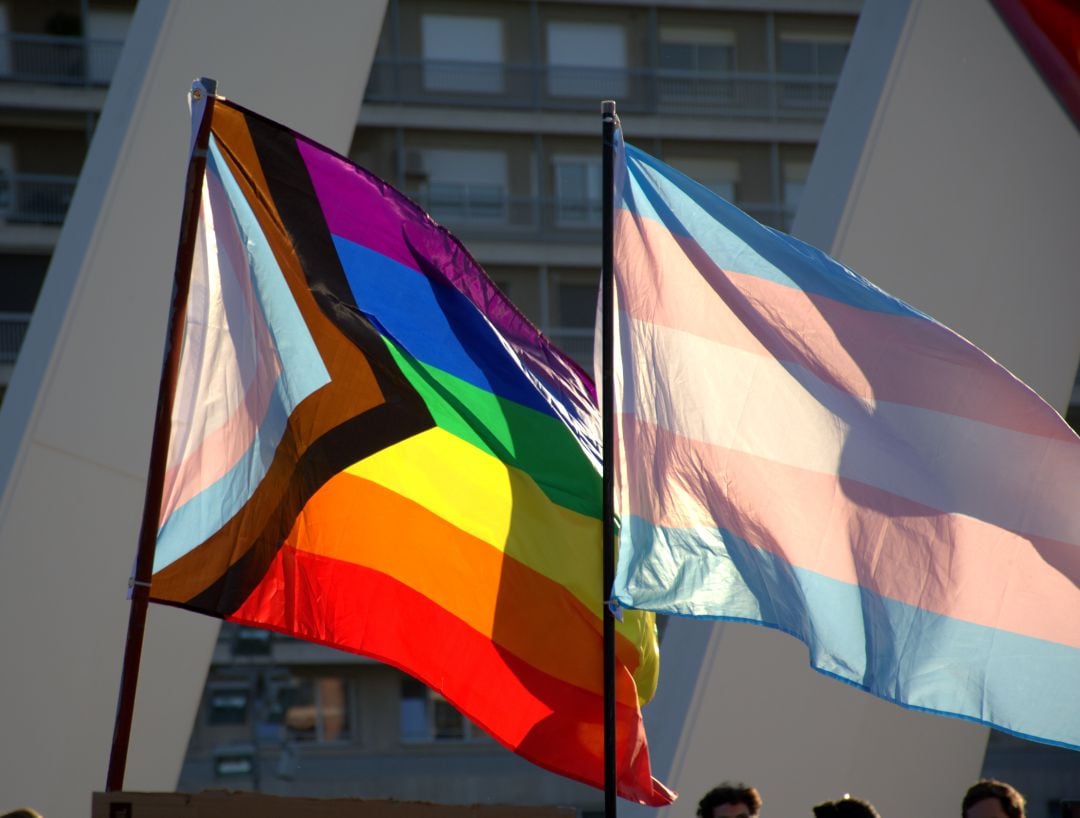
76,423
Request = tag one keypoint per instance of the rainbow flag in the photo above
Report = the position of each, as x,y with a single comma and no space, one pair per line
798,449
372,449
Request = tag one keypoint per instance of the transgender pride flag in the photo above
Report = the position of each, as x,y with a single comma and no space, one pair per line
799,449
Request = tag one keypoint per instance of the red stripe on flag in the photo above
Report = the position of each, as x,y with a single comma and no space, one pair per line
551,723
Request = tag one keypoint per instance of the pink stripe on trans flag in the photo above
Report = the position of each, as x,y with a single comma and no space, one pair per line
949,564
227,371
871,355
724,396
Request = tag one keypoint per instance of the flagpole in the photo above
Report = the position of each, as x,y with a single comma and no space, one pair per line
202,100
608,119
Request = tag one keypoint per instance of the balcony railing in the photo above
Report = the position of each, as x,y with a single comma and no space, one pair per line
42,58
544,219
577,342
729,95
12,331
35,198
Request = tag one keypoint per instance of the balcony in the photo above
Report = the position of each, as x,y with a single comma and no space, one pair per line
529,218
725,95
576,342
36,198
12,331
71,61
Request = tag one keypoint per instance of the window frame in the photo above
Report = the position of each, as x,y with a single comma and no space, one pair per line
438,72
432,699
568,79
591,205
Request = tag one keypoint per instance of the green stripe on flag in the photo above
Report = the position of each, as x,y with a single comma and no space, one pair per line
537,444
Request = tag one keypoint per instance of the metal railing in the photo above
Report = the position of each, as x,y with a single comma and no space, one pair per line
771,214
36,198
577,342
546,219
729,95
12,331
58,60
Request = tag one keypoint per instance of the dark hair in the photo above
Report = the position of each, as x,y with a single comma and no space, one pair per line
846,807
1010,799
728,793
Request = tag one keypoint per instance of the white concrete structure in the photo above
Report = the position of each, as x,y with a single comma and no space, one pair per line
946,174
76,424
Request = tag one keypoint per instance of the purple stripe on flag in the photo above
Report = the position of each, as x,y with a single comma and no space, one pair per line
363,209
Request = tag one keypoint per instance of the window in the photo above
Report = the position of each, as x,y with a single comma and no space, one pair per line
316,709
586,60
462,53
578,180
574,304
701,50
811,64
7,178
577,304
721,176
426,716
464,185
820,55
105,33
695,66
227,704
5,47
795,174
251,642
235,761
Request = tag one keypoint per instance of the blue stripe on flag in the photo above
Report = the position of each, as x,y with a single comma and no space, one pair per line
738,243
302,373
303,370
907,655
209,510
435,324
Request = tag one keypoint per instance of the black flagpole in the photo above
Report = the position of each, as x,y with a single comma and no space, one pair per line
202,102
609,119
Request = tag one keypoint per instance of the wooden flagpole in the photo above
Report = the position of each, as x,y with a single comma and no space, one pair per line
202,102
608,120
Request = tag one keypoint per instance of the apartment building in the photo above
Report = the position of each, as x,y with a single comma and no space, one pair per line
487,113
56,61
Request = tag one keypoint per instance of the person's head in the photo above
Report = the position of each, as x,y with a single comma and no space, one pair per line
730,801
992,799
846,807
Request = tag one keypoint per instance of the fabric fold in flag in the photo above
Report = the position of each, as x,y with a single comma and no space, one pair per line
798,449
372,449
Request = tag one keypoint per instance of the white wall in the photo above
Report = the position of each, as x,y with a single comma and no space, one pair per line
948,175
953,182
76,423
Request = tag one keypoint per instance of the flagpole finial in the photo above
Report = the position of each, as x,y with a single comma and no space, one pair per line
203,85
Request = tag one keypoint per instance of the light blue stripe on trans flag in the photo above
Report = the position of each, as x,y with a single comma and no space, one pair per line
303,372
907,655
736,242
